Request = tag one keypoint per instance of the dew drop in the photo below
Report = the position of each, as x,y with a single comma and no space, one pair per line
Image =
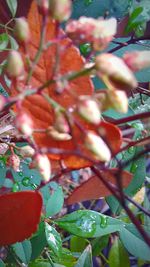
20,173
104,222
34,186
133,168
15,187
86,224
26,181
88,2
131,150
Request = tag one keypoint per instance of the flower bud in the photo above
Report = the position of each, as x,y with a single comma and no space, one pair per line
89,109
137,60
139,196
60,9
15,66
21,30
118,100
61,124
13,161
52,132
26,151
42,163
2,102
24,124
97,146
43,6
115,70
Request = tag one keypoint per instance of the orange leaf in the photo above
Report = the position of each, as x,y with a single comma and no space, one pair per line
19,216
94,188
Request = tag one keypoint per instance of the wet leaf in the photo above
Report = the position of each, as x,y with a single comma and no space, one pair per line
55,202
118,256
23,250
19,216
53,239
85,259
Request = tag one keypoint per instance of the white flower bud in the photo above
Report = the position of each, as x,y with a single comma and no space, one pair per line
24,124
61,124
43,6
137,60
115,69
52,132
26,151
42,163
89,109
21,30
118,100
60,9
97,146
15,66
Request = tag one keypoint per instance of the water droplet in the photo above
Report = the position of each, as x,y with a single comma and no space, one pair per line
88,2
26,181
104,222
131,150
34,186
15,187
86,224
20,173
85,49
133,168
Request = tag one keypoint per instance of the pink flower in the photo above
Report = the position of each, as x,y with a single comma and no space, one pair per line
137,60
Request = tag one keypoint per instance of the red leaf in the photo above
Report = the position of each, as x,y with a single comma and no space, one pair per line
19,216
94,188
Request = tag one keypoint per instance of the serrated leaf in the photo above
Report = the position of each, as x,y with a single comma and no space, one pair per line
87,223
23,250
118,256
85,259
53,239
12,4
134,243
55,202
23,210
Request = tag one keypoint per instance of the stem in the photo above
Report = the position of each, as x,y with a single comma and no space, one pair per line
142,115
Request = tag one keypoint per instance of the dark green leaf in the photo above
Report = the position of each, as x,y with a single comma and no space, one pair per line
53,239
87,223
38,242
98,244
85,259
134,243
65,258
23,250
12,4
78,244
2,264
2,173
40,264
55,202
118,256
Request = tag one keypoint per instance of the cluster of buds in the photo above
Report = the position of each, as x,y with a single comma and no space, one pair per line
98,32
59,10
89,109
21,30
43,165
13,161
115,71
97,146
14,66
137,60
24,124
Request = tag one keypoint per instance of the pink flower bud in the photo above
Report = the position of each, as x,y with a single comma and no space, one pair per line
61,124
137,60
42,163
15,66
89,109
52,132
21,30
116,71
97,146
43,6
60,9
98,32
2,102
24,124
118,100
26,151
13,161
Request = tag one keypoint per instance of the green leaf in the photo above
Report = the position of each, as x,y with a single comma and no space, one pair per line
38,242
134,243
53,239
13,43
78,244
8,183
85,259
118,256
2,173
65,258
12,4
87,223
98,244
3,41
55,202
23,250
40,264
